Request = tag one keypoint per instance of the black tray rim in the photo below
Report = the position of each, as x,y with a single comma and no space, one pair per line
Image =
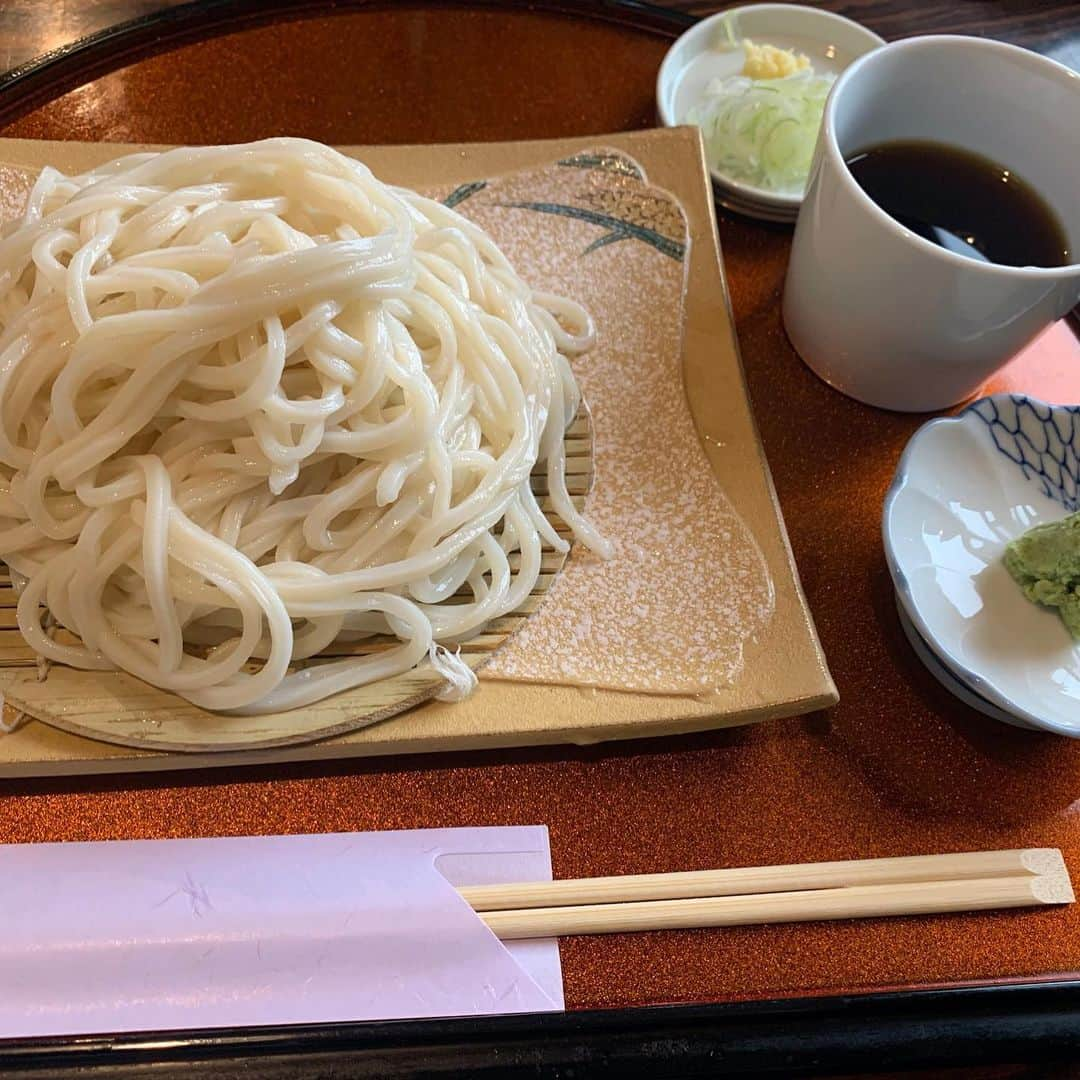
961,1026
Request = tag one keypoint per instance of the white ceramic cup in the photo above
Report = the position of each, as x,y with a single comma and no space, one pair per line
885,315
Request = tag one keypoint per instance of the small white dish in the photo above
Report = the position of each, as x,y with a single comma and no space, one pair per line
932,663
964,488
703,53
758,211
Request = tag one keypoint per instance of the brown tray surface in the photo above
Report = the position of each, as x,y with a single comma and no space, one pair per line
897,767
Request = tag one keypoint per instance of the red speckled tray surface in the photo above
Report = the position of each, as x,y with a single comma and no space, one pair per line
897,767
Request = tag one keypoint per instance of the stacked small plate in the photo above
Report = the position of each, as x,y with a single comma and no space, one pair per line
965,487
704,52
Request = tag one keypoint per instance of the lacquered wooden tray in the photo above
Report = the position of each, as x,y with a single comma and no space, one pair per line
898,767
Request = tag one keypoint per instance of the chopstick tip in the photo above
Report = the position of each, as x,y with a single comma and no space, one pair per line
1053,889
1044,861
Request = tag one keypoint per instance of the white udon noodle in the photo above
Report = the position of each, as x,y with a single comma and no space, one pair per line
254,402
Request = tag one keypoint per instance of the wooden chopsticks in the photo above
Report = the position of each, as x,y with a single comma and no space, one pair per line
864,888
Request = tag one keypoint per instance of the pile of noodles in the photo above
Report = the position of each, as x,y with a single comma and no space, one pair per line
254,402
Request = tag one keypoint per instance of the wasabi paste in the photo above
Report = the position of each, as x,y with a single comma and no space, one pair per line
1045,563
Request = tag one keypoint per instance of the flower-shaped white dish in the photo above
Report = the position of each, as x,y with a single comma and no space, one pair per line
964,488
932,663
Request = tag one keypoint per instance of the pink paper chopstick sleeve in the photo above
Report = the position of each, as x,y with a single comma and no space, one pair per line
163,934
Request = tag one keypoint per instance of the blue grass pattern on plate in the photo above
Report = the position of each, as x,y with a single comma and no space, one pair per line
618,229
612,163
465,191
1042,440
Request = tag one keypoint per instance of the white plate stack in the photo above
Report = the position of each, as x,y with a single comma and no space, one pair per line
705,52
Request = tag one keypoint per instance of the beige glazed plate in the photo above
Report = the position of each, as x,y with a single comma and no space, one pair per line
716,632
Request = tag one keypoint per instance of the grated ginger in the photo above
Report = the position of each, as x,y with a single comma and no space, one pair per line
770,62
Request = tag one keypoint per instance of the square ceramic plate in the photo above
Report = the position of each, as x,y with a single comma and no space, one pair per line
783,673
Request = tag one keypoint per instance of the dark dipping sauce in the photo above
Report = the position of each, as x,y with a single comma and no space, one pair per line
962,202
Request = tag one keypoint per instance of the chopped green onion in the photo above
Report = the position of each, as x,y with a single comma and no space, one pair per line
763,131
